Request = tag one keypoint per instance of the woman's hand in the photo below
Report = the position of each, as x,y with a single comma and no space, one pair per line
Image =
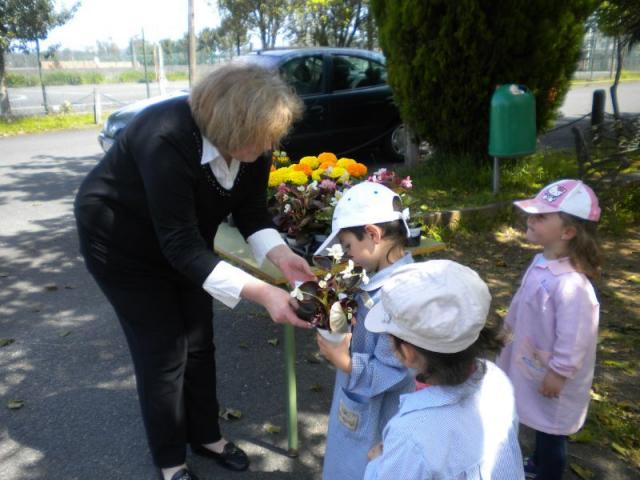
276,302
336,353
552,384
293,266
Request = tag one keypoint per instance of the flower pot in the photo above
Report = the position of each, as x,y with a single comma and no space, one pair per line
332,337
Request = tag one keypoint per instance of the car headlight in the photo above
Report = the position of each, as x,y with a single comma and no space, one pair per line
111,127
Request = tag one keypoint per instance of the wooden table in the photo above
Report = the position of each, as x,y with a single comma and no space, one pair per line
230,246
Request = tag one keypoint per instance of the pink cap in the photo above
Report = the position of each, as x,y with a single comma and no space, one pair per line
568,196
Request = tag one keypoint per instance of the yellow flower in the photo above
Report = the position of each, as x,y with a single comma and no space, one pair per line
345,162
276,177
337,172
312,162
317,174
302,167
297,177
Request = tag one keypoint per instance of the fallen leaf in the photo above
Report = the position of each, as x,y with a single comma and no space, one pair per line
596,397
51,287
616,447
316,387
634,279
582,472
312,358
273,341
501,263
3,275
243,345
6,341
66,333
271,428
69,287
15,404
231,414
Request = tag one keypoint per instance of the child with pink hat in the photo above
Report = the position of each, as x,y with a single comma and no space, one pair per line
554,322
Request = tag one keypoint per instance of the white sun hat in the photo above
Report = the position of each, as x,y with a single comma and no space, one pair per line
363,204
439,305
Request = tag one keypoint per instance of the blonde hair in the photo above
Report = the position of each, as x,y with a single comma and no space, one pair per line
240,105
584,251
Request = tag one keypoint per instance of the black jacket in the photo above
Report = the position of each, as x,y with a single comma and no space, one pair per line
149,207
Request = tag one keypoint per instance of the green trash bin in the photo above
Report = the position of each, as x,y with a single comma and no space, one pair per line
512,122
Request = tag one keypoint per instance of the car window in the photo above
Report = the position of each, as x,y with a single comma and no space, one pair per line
356,72
304,74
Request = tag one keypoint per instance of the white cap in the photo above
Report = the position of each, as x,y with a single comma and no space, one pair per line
438,305
568,196
363,204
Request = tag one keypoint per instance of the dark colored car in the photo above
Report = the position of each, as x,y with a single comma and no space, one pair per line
348,103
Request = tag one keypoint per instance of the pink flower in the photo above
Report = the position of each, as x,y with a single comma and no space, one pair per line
327,184
406,182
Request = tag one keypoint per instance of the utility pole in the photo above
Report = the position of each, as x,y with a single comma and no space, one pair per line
192,45
144,60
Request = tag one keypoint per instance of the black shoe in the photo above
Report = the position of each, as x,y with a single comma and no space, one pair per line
231,457
182,474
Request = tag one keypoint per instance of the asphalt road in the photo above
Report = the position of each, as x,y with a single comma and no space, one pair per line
29,100
69,363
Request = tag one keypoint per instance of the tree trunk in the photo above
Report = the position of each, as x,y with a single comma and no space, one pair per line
44,90
5,106
614,88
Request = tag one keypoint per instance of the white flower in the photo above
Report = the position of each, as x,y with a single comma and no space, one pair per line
336,252
322,284
338,319
327,277
348,271
301,188
287,208
333,202
297,294
313,185
364,277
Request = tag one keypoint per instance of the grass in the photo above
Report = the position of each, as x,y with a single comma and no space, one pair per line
44,123
454,183
625,76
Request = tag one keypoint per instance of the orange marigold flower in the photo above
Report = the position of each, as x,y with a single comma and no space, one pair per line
301,167
357,170
327,157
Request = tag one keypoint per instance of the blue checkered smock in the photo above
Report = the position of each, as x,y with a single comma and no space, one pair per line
466,432
366,399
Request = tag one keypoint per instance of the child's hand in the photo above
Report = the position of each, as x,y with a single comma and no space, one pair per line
552,384
375,451
336,353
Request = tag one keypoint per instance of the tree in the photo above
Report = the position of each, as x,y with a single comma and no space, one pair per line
268,18
338,23
234,23
446,58
621,20
27,21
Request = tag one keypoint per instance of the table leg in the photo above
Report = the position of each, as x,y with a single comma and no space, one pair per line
292,401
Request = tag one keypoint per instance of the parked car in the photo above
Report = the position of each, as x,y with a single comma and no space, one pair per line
348,103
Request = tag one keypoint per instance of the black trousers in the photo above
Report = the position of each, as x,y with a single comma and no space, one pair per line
169,328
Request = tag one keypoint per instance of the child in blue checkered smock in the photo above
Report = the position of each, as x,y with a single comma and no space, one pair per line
464,425
371,227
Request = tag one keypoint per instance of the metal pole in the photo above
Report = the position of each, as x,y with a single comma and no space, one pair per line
292,400
192,45
97,107
144,57
496,175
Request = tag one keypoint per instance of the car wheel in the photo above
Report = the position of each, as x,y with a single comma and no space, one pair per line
395,144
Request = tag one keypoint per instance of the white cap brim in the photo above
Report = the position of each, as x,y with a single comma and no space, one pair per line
331,239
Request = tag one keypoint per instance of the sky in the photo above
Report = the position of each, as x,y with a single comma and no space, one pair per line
122,19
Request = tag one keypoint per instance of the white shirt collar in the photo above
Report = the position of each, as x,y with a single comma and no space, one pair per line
225,174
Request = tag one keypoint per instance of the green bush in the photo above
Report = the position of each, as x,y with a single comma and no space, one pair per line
132,76
175,76
16,80
446,58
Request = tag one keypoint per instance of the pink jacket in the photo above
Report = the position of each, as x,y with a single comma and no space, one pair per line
554,320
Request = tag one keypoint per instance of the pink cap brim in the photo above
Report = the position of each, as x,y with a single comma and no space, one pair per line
534,206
